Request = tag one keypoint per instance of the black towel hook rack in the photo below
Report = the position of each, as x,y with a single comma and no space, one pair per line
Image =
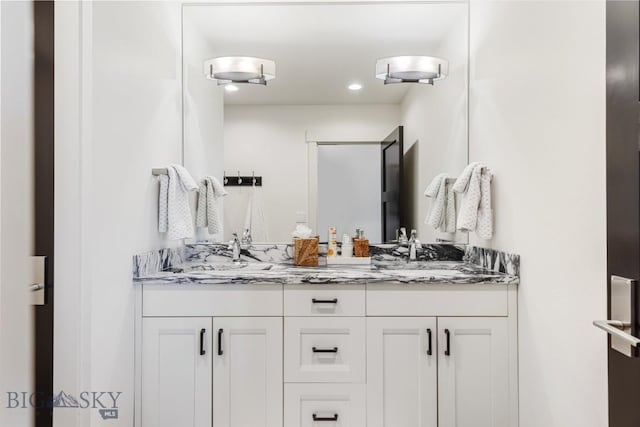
242,180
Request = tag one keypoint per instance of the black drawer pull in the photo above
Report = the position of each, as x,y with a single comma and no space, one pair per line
447,351
325,350
324,301
220,332
429,348
202,351
317,418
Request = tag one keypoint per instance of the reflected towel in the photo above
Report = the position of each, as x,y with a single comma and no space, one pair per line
442,215
208,214
437,191
254,220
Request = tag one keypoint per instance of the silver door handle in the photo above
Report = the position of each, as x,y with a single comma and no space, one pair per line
616,328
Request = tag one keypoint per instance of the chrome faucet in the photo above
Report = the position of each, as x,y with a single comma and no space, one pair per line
402,237
246,238
414,244
235,247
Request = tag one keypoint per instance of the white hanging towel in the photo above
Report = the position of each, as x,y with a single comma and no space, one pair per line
173,203
208,214
450,210
468,215
442,215
475,209
254,220
163,204
485,213
437,191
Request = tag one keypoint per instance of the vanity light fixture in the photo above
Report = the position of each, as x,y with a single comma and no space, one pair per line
231,88
240,69
411,69
354,86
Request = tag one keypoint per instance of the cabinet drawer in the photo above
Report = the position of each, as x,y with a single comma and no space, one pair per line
327,300
437,300
335,405
212,300
324,349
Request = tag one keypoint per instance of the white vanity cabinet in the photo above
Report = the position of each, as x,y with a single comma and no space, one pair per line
234,378
335,355
468,379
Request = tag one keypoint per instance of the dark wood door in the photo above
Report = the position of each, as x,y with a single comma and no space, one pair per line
43,16
392,182
623,190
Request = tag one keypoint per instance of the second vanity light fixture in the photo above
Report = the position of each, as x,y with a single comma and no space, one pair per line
240,69
411,69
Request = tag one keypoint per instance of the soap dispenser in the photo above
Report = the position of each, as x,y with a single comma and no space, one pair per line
347,246
360,244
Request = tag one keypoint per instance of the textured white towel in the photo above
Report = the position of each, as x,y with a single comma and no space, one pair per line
485,213
468,214
209,192
163,204
475,212
179,219
442,215
450,210
462,182
437,191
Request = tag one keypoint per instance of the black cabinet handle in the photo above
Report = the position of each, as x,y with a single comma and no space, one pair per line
220,352
325,350
447,351
429,348
317,418
324,301
202,350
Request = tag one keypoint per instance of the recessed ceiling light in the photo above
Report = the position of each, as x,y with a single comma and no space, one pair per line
231,88
355,86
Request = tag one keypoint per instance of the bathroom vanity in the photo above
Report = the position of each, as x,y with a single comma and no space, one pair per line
428,343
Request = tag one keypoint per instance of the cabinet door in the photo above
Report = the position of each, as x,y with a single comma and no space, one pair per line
176,372
247,372
401,374
473,376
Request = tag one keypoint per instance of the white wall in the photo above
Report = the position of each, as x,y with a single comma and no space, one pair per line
537,99
271,140
435,129
349,186
121,60
16,206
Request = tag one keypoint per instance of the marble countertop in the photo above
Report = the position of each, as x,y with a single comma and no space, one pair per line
398,272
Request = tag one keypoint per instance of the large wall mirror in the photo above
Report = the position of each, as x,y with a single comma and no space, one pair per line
333,144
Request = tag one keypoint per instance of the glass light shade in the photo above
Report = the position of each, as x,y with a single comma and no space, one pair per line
240,69
411,69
